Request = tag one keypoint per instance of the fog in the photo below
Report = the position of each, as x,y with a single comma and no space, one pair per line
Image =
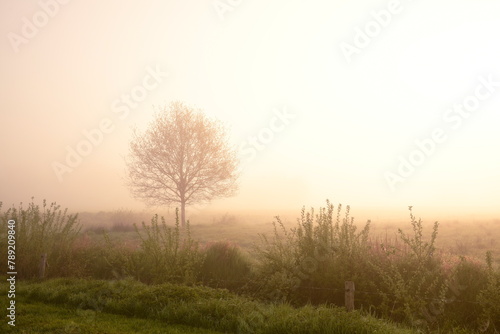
377,105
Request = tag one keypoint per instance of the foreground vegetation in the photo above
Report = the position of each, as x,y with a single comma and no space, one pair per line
91,301
292,279
36,317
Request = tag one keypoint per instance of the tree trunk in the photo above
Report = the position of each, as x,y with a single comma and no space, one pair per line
183,214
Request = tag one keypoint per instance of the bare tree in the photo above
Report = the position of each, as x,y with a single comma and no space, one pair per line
183,157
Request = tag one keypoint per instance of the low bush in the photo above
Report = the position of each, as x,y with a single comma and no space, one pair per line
224,266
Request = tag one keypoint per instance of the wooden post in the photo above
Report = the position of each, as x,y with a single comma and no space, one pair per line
43,264
349,295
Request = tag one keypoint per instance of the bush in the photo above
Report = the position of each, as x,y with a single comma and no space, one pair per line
101,260
46,230
310,263
489,298
468,278
224,266
411,283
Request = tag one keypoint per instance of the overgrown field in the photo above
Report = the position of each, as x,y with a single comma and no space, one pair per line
277,276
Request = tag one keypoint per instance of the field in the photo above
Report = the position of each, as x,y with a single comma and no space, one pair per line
130,272
471,238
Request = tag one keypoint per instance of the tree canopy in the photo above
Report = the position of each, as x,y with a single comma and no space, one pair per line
183,157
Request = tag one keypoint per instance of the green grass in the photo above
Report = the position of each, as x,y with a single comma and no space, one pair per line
127,255
42,318
128,303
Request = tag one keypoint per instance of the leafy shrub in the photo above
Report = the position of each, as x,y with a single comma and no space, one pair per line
224,266
468,278
489,298
46,230
101,260
319,253
413,282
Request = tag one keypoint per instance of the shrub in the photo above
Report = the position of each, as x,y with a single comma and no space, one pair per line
100,260
42,230
321,252
489,298
411,283
467,279
224,266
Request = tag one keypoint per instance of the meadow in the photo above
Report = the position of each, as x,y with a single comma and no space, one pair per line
470,238
254,273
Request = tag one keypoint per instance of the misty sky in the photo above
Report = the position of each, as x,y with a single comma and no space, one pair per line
376,104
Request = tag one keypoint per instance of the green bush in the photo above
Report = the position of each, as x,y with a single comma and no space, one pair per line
309,263
489,298
224,266
46,230
466,281
412,283
101,261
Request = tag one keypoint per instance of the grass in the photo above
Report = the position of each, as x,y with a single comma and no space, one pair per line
101,306
306,265
458,237
403,295
42,318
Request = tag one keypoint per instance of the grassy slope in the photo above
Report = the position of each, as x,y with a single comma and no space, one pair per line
211,309
42,318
